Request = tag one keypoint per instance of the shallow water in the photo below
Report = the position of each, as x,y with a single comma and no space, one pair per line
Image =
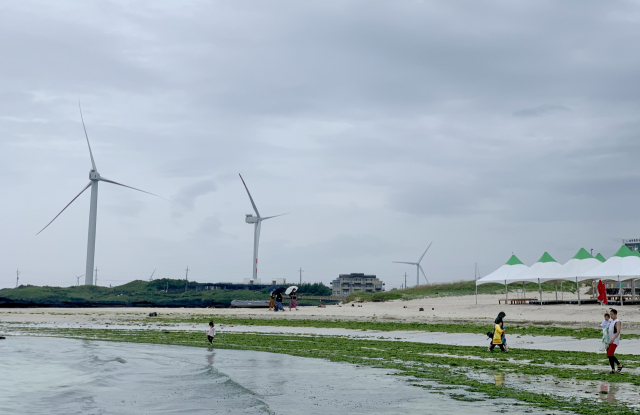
64,376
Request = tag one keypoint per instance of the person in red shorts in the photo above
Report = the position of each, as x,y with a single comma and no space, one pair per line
614,341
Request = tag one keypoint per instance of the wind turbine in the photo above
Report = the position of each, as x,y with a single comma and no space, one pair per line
151,277
78,279
418,266
94,178
257,223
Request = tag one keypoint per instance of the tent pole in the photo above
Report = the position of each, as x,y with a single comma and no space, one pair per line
562,290
620,291
556,291
578,290
506,292
524,290
540,290
633,289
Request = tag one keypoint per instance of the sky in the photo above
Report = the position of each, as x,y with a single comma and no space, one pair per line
487,127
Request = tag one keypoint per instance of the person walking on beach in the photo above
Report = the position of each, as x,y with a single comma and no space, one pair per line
615,328
211,333
293,300
604,342
272,302
279,302
500,320
498,332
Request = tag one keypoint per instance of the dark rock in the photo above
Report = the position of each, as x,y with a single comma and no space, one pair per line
421,309
153,314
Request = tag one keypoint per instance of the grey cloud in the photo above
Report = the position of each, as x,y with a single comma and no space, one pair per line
540,110
186,197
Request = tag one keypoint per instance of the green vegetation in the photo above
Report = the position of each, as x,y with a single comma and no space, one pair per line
583,333
453,289
158,293
468,368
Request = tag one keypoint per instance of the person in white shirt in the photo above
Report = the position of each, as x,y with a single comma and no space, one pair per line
615,328
211,333
606,322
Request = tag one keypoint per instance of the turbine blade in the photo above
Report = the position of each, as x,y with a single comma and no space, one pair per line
154,271
269,217
400,262
93,163
102,179
72,200
425,276
252,203
425,252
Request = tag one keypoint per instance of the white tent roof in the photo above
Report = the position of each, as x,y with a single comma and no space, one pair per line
581,263
624,265
546,269
503,274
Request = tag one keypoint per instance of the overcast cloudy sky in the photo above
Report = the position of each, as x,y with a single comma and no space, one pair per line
488,127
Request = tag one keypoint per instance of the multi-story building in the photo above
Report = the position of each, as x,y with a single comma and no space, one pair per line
349,283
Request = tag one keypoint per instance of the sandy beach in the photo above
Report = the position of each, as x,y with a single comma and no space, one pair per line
443,309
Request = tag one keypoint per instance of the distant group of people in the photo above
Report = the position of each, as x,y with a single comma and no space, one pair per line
611,330
275,300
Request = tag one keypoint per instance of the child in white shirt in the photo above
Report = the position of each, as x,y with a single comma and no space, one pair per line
211,333
605,324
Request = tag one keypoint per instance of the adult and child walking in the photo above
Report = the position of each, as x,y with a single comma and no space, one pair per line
611,330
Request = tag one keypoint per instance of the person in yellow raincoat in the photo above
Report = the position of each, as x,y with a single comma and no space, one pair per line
498,331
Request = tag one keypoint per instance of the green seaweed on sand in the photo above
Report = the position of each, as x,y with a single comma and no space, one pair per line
531,330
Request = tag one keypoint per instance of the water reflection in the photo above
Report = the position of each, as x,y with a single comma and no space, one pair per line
607,391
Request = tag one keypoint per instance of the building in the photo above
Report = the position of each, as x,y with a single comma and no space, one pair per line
349,283
632,244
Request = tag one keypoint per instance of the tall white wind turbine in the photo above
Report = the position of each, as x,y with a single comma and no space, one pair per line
94,178
418,266
257,223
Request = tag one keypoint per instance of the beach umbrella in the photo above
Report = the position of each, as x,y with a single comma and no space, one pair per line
290,289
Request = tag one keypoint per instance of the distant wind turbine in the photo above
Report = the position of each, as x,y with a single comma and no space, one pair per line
78,279
418,266
151,277
257,222
94,178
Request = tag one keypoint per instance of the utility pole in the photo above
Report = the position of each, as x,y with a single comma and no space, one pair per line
186,279
475,278
405,280
300,276
17,277
591,251
95,282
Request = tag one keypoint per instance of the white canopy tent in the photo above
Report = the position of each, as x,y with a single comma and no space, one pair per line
504,274
623,266
546,269
581,263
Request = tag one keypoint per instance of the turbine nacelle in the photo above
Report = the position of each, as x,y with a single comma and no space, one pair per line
94,175
251,219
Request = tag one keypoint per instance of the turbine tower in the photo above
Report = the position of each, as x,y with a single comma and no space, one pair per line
257,223
418,266
94,178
